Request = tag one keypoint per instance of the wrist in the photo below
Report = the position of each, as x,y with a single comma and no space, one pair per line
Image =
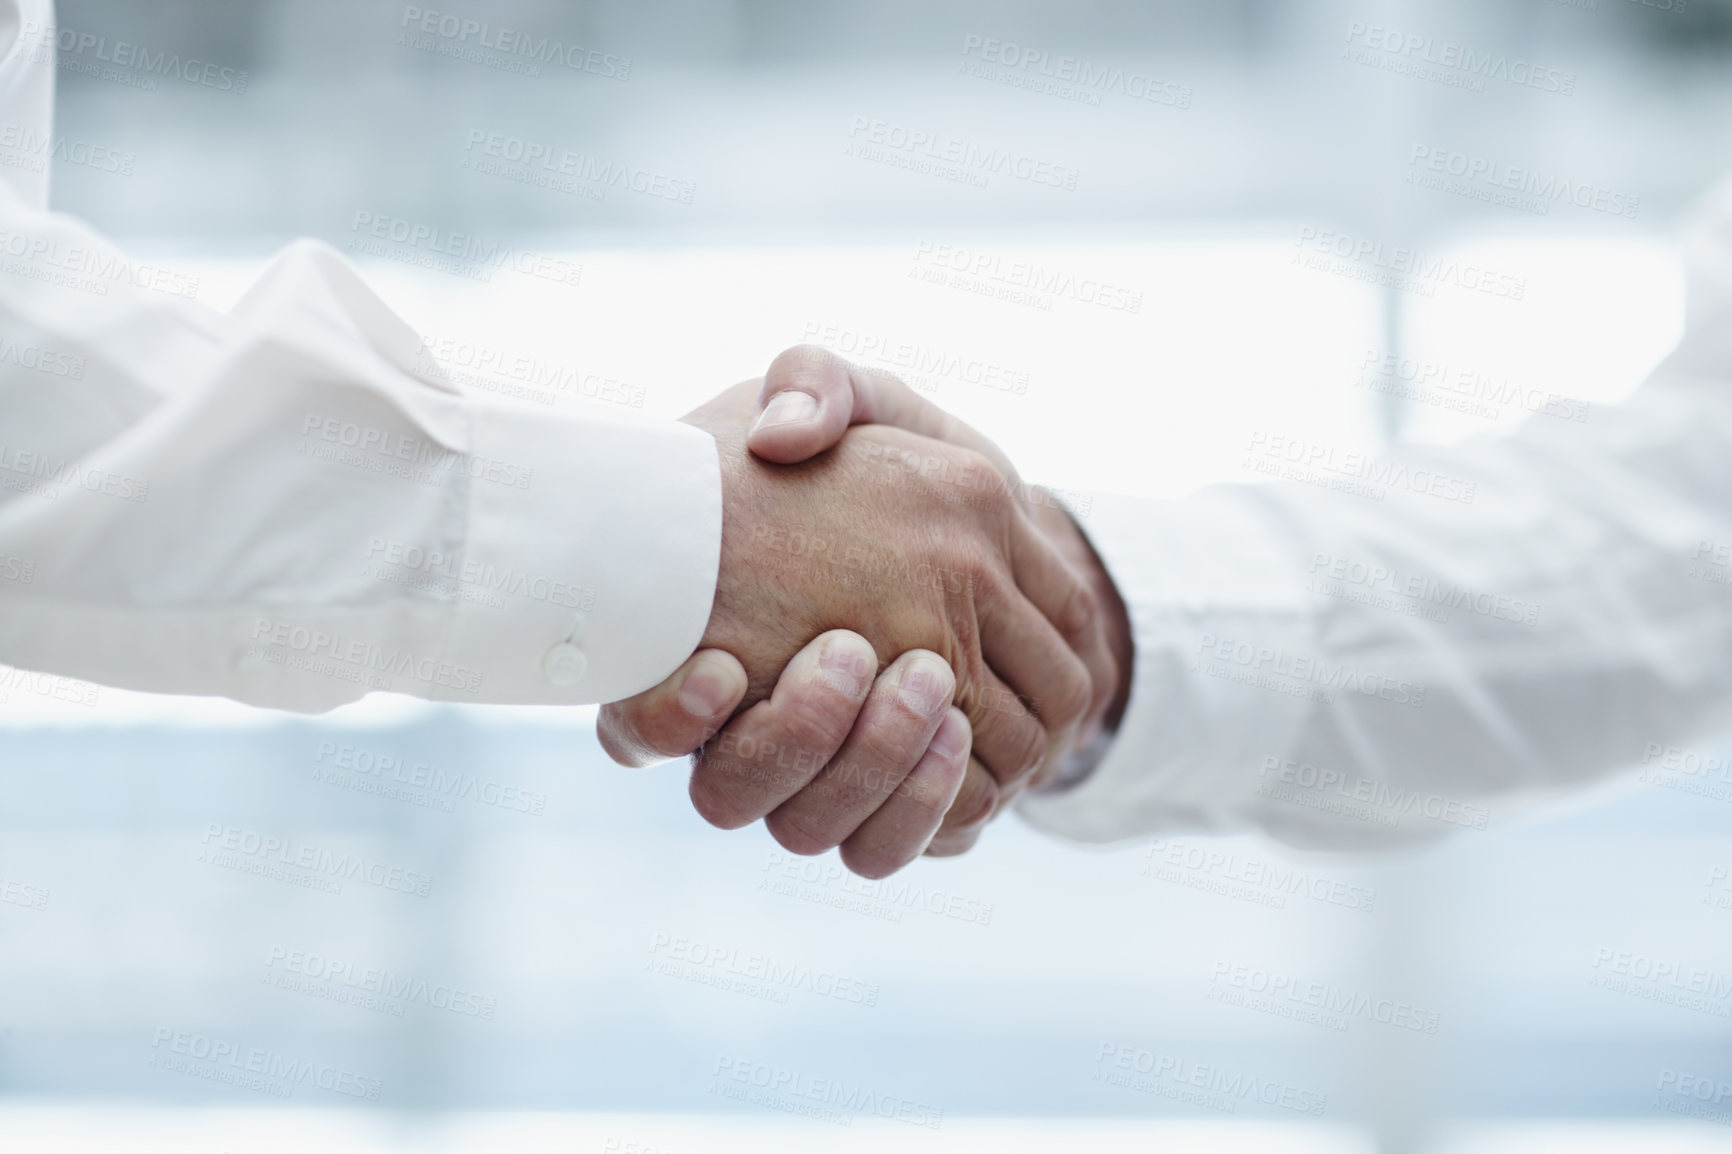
1115,619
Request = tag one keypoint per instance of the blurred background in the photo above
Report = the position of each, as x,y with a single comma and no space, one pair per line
1102,232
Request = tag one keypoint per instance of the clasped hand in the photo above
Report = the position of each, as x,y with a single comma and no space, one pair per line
903,636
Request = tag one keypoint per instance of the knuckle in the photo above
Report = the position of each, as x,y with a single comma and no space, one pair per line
926,797
716,800
631,748
614,738
667,733
1080,611
875,768
991,488
800,360
799,833
1073,694
873,862
973,556
814,721
811,368
990,582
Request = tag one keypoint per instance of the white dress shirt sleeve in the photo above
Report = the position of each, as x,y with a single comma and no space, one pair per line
287,505
1514,616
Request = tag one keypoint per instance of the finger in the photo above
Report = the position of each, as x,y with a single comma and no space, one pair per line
808,399
951,844
1061,595
1007,797
1009,742
976,801
1024,650
766,754
804,407
810,396
904,709
900,830
677,716
1093,644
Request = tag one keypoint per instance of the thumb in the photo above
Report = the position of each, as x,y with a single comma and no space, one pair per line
677,716
805,406
811,396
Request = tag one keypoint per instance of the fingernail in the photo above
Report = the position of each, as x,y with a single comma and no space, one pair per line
925,686
707,688
789,407
847,667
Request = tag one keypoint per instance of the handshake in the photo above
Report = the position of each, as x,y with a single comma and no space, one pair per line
903,637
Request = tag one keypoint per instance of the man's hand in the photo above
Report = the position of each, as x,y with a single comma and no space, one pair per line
810,397
882,760
915,544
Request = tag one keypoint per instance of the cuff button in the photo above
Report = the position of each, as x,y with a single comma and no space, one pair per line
564,664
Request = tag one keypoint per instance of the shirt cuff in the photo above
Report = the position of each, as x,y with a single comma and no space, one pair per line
590,557
1192,574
